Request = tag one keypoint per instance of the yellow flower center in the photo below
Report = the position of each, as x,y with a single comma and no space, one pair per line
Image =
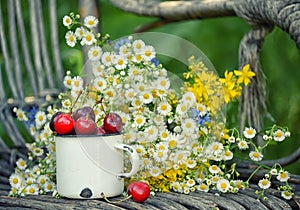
163,107
15,180
95,53
91,22
173,144
223,185
147,53
120,62
31,190
88,38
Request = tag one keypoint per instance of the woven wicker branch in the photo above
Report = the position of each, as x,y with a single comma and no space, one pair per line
284,14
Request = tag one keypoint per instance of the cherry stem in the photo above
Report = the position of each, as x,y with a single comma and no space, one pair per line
118,201
79,94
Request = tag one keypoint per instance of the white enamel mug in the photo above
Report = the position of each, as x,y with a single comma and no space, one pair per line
87,166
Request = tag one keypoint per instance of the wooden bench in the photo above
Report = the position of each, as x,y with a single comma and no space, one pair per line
24,50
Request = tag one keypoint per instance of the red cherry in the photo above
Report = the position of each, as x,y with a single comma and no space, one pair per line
139,191
85,111
64,124
100,131
112,123
53,120
85,126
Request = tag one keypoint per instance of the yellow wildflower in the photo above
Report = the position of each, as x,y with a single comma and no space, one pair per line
244,75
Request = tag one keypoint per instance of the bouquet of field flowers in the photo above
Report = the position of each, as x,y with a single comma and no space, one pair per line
178,132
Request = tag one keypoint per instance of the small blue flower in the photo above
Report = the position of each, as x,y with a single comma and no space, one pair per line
31,112
120,42
155,61
201,120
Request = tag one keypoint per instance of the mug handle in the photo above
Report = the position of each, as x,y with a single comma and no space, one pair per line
135,160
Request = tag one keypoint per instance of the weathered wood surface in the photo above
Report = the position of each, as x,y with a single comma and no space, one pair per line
245,199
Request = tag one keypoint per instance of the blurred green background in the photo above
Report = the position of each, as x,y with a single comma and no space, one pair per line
219,39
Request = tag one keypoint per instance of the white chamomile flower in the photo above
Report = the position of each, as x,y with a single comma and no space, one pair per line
30,180
173,141
32,189
37,152
203,187
95,53
68,81
190,182
140,149
40,119
136,103
180,156
227,155
279,135
256,156
100,83
273,171
243,145
70,38
66,103
130,94
107,58
119,62
148,53
88,39
162,83
160,155
15,180
189,125
124,51
214,169
164,108
216,148
146,97
109,94
138,45
264,183
283,176
249,133
98,69
67,20
91,21
287,194
137,58
146,163
80,32
20,114
77,83
21,164
189,98
181,109
231,139
49,186
190,163
139,120
155,171
202,109
177,187
42,180
164,134
158,120
223,185
151,132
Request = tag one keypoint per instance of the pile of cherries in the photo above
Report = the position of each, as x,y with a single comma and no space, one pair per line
82,122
